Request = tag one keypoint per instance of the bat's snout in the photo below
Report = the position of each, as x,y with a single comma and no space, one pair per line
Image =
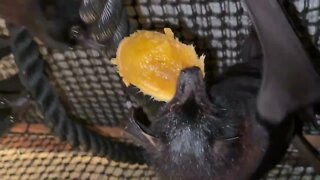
190,85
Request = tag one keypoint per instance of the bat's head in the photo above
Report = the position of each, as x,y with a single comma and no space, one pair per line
188,139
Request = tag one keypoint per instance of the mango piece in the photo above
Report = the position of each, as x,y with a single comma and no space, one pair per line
152,61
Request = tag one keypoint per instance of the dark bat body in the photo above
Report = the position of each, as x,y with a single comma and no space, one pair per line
242,127
216,135
56,22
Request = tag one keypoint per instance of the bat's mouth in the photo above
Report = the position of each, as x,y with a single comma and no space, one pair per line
190,97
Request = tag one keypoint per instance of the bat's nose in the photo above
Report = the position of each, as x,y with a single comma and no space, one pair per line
191,73
190,80
190,85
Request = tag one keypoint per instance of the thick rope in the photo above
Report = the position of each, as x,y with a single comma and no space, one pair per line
31,73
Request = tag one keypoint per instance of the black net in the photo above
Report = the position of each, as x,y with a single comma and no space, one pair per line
92,91
91,84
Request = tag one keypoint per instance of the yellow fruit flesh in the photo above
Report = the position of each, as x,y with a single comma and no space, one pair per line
152,61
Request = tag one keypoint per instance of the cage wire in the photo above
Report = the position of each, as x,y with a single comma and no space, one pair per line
95,93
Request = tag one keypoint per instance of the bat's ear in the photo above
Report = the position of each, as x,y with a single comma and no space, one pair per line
134,128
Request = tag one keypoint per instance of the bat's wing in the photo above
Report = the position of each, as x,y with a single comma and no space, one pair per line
251,48
289,80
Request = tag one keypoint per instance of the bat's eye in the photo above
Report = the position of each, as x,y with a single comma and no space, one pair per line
76,32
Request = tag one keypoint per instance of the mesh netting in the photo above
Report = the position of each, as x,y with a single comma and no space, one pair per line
42,156
92,90
293,167
91,84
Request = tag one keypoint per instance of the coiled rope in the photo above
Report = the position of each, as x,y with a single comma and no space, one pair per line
31,73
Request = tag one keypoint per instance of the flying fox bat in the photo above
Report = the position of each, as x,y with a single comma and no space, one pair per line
243,125
56,22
